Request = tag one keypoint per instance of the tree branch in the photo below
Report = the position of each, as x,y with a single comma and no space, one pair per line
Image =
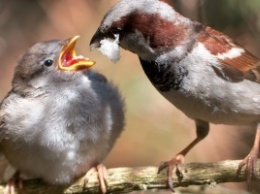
143,178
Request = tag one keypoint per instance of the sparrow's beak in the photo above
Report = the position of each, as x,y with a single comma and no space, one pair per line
98,37
69,61
108,44
95,40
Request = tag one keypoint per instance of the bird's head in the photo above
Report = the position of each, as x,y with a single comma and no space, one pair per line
50,61
145,27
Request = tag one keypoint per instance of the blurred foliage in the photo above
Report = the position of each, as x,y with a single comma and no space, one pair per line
225,14
155,130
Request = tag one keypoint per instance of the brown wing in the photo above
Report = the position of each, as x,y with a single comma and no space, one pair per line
237,63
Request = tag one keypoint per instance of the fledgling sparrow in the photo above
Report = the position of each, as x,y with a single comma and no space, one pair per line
60,118
199,70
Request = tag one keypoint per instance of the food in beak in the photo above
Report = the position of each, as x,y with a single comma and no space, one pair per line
108,46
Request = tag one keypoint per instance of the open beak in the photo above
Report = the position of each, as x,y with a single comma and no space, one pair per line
69,61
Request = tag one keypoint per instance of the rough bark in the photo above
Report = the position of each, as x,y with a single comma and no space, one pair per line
144,178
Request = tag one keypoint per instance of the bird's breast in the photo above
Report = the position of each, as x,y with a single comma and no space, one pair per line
56,135
193,86
164,77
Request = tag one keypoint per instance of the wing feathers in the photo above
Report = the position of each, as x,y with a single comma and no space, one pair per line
233,58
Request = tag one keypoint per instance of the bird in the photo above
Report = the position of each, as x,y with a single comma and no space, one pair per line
60,119
201,71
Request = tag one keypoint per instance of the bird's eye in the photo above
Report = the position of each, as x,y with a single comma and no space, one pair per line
48,62
115,30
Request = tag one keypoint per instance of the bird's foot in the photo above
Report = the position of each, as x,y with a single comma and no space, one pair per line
13,183
102,176
174,165
250,164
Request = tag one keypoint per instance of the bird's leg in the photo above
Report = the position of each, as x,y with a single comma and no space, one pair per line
202,129
102,176
251,159
12,183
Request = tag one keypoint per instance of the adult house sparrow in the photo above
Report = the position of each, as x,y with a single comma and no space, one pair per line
198,69
60,119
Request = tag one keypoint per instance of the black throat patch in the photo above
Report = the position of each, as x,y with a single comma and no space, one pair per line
164,76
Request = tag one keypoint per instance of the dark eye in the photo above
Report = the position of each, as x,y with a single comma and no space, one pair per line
115,30
48,62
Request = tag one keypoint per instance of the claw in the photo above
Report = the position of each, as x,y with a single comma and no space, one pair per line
172,165
162,166
13,183
10,187
251,160
250,163
102,177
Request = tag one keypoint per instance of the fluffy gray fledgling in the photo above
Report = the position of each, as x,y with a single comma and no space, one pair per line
60,119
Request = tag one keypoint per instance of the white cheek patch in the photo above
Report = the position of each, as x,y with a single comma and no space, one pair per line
110,48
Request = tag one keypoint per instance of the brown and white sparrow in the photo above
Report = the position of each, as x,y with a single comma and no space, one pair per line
199,70
60,119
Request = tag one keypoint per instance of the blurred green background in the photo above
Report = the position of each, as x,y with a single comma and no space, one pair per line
155,129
